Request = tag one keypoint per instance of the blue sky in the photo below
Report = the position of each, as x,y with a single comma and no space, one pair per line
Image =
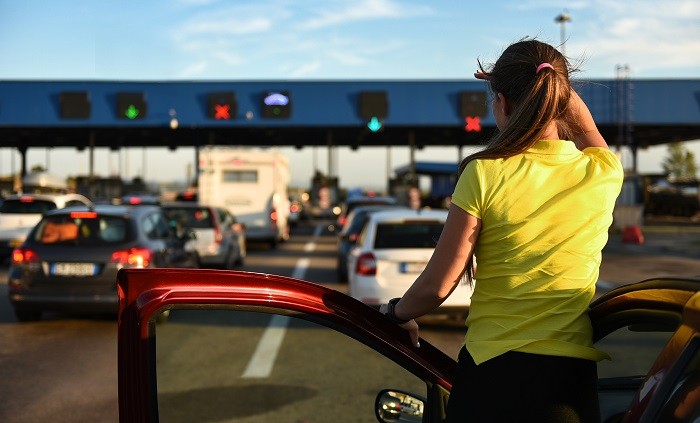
324,39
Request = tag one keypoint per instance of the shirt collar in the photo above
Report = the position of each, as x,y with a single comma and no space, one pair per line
553,147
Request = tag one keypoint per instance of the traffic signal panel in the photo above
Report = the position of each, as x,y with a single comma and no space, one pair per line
222,105
473,103
131,106
374,107
276,105
75,105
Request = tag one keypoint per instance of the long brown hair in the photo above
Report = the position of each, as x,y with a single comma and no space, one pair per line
535,99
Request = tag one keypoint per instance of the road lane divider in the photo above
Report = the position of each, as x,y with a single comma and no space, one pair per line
311,245
263,358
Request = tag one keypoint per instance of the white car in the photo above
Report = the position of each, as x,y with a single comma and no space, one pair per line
220,240
392,250
19,213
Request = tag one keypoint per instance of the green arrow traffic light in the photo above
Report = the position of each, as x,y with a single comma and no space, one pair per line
131,112
374,124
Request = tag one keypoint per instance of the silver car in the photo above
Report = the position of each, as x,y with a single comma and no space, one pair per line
20,212
220,239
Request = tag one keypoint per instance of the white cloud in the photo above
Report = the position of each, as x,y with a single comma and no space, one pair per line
644,35
362,10
305,70
193,70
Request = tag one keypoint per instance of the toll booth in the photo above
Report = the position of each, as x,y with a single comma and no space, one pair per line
324,195
443,178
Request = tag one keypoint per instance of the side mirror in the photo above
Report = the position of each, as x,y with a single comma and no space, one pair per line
393,406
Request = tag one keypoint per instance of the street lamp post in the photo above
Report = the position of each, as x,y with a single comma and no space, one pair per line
562,19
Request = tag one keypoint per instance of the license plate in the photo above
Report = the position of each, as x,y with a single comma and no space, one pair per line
73,269
411,267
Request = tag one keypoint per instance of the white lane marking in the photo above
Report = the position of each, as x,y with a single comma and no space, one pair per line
311,245
260,364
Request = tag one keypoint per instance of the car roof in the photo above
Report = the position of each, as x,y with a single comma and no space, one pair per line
48,196
110,209
377,199
186,205
400,214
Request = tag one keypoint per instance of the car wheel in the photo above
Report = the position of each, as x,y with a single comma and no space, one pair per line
27,315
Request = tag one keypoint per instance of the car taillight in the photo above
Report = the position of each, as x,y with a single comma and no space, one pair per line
273,216
83,215
341,221
24,256
366,265
134,257
218,236
294,208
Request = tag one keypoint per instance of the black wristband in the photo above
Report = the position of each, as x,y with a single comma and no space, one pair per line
390,312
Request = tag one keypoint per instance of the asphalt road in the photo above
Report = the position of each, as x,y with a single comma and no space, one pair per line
210,365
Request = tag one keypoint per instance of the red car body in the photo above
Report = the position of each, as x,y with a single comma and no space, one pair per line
670,384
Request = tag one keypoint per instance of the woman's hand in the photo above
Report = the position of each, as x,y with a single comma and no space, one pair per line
482,75
411,326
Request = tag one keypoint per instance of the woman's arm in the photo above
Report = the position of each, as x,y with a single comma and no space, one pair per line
586,132
444,270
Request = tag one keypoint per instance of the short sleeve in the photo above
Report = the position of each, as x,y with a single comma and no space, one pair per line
605,157
468,194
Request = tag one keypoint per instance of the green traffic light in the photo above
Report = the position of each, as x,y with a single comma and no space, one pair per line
374,124
131,112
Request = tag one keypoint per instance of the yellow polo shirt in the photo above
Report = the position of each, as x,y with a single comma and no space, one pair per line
545,218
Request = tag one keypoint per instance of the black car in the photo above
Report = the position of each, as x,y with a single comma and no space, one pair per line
70,259
353,202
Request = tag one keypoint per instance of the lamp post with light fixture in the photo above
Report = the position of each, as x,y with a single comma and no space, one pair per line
562,19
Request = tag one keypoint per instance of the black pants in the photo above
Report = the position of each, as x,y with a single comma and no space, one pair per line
521,387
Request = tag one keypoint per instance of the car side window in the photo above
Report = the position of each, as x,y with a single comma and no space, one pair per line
149,227
162,227
155,226
226,365
70,203
223,217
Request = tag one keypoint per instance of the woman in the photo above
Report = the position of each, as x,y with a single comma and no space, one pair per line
535,208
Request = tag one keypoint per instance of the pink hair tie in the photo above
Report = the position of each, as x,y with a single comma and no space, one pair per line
542,66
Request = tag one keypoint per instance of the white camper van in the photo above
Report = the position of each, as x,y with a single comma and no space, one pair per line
252,184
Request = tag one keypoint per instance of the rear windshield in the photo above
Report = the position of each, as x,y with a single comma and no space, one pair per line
83,231
190,217
27,206
407,235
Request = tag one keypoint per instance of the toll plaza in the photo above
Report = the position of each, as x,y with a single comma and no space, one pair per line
359,114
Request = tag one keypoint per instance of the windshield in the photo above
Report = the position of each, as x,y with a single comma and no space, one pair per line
82,231
190,217
28,206
408,235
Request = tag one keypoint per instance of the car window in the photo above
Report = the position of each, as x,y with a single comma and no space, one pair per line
74,203
28,205
162,228
224,217
83,231
155,226
190,217
243,366
407,235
